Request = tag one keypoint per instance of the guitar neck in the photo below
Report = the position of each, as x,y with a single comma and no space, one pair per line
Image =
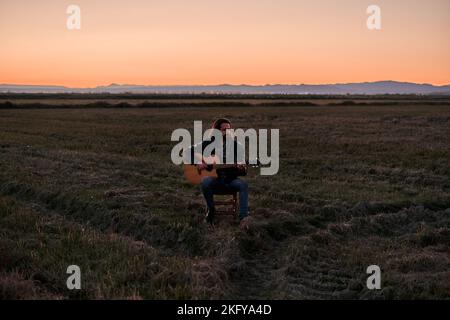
224,166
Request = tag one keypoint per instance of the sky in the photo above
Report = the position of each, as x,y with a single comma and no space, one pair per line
201,42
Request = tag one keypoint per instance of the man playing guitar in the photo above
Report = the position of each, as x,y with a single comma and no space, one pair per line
228,176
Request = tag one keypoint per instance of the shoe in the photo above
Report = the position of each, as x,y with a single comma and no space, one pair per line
245,223
210,215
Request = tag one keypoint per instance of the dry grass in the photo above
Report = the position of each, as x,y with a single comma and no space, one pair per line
95,187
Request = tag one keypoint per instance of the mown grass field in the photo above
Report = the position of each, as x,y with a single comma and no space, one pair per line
358,185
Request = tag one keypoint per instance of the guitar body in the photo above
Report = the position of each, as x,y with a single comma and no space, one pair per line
195,176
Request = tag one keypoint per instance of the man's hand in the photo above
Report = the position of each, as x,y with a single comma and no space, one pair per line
202,166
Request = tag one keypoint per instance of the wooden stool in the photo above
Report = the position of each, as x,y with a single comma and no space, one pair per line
228,202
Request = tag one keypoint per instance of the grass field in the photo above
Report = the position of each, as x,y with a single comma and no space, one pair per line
358,185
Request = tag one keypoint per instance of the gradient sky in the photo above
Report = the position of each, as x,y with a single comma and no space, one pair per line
156,42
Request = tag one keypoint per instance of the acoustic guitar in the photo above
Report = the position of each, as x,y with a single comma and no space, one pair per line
194,175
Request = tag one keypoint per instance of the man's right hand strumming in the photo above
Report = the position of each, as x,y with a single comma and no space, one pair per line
202,166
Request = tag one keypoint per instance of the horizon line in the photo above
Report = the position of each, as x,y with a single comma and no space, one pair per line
221,84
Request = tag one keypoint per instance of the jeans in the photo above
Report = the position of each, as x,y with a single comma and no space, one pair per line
209,183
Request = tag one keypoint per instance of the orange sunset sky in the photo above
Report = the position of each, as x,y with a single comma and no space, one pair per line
174,42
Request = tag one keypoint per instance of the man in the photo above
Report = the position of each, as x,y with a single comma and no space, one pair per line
226,177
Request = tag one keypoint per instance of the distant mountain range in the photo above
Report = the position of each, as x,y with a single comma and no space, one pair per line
378,87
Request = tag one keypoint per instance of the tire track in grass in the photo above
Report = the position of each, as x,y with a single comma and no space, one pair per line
328,260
